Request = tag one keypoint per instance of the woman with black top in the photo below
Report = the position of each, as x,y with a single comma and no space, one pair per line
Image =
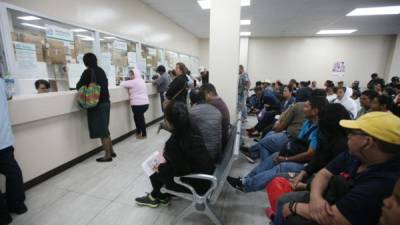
185,153
99,116
178,87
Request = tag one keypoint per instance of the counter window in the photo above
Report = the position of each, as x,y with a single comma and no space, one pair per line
47,50
118,56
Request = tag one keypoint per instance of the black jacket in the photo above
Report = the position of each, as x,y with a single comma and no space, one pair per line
176,86
184,155
101,80
328,149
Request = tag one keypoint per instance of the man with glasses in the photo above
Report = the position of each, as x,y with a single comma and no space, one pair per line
369,171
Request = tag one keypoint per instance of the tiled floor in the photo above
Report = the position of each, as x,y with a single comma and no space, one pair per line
103,194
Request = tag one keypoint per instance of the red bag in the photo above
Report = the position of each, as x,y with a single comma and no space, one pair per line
275,189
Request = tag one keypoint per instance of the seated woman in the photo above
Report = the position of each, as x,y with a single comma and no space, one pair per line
184,152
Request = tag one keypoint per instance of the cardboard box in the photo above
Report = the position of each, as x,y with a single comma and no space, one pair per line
32,38
55,52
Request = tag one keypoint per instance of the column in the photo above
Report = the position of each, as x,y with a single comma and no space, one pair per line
224,50
244,52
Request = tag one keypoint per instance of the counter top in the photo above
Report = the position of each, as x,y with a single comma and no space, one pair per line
28,108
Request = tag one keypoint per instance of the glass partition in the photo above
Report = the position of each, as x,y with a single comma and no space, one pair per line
171,58
118,56
152,58
48,50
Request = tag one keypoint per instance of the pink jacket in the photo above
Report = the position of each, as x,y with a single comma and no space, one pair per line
137,89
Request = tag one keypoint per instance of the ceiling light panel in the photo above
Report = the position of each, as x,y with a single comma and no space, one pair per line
347,31
375,11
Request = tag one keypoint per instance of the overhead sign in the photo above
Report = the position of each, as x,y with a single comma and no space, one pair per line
59,33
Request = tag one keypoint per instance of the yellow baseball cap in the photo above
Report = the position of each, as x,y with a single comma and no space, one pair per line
381,125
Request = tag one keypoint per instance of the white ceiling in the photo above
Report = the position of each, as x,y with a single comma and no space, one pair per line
286,18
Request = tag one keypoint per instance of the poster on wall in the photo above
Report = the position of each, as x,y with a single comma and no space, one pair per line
25,55
74,71
338,69
132,59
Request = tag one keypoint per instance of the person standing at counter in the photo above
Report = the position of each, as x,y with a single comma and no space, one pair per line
162,83
99,116
139,101
13,200
178,88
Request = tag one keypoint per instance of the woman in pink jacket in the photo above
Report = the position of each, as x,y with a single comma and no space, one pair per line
139,101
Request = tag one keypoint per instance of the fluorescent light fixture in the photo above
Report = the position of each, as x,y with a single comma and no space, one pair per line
245,2
374,11
34,26
78,30
85,38
245,22
245,33
110,38
349,31
206,4
28,18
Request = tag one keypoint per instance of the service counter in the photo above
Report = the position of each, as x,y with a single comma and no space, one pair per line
51,130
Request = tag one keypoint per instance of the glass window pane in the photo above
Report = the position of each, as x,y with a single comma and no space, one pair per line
153,58
48,50
118,56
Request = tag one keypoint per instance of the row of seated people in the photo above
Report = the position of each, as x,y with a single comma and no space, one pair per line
198,136
320,143
267,102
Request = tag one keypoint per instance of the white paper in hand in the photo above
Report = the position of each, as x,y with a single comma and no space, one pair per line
152,162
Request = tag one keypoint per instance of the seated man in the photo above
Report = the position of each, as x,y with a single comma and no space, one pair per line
212,98
262,174
288,125
391,207
272,107
371,167
209,121
365,101
254,102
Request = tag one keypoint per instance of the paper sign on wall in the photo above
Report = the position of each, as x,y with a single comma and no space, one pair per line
132,59
152,51
338,69
120,45
25,55
74,73
59,33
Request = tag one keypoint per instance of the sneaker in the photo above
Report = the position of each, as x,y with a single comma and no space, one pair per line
148,201
165,201
236,183
248,156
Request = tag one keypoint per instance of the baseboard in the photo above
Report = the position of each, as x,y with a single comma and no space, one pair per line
37,180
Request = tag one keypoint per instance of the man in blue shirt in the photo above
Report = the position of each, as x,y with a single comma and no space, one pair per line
274,164
372,163
13,200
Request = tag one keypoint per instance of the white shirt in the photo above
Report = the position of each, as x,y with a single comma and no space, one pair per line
6,135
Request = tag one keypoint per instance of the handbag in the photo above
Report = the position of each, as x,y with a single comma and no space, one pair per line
167,101
89,95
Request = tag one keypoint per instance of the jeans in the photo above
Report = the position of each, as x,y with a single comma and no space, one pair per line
15,194
297,196
242,104
138,116
271,143
264,172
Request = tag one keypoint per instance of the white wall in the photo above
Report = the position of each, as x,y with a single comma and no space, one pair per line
128,18
204,53
394,65
313,58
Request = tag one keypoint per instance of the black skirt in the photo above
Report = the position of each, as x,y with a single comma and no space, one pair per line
98,120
